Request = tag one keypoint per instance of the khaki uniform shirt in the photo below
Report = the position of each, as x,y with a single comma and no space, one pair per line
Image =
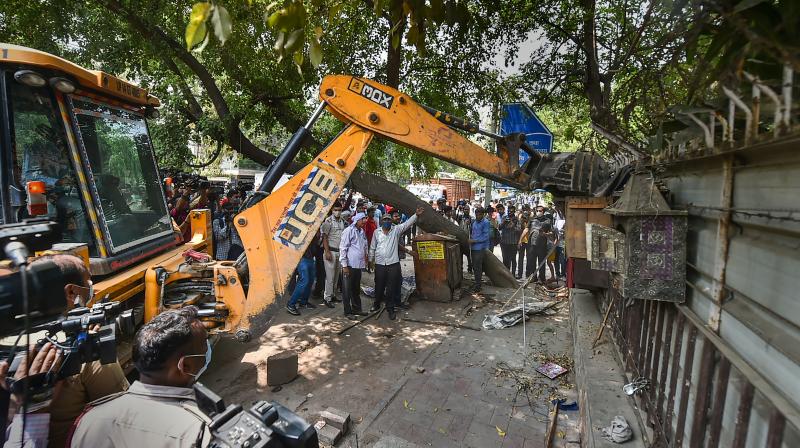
333,228
145,416
94,382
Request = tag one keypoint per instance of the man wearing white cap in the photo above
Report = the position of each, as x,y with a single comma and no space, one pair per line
353,256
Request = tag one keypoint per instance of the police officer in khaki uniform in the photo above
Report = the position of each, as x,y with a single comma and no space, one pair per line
170,352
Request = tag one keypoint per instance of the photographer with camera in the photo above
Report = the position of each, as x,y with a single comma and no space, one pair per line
170,352
227,244
70,395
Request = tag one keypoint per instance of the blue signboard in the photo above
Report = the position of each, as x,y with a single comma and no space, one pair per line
518,117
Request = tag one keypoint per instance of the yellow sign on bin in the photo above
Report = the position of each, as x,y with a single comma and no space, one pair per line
430,250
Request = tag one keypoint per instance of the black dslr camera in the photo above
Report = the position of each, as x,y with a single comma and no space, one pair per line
264,425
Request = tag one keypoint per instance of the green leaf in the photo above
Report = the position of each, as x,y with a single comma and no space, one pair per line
298,58
277,18
222,23
315,52
377,6
294,41
318,32
196,29
205,41
395,40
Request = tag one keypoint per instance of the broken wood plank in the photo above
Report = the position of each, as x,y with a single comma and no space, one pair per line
605,319
551,428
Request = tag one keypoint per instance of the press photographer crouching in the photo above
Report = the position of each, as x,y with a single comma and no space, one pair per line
49,420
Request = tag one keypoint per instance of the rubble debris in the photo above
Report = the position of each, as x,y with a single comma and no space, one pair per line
337,418
281,368
513,316
327,434
619,431
636,385
551,370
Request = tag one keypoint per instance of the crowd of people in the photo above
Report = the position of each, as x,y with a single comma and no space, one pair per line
531,237
356,236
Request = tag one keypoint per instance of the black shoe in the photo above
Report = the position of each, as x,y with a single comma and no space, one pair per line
361,313
404,306
335,300
329,304
309,305
351,316
374,308
292,310
392,315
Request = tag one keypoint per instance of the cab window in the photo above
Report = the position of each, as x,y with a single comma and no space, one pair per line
40,153
124,172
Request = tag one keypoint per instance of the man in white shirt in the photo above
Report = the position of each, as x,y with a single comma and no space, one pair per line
384,255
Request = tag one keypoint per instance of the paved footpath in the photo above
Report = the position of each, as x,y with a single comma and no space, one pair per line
458,397
408,384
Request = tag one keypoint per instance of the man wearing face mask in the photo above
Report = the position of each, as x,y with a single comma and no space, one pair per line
384,255
170,352
95,380
331,231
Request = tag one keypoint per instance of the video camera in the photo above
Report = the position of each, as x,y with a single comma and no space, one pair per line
264,425
32,300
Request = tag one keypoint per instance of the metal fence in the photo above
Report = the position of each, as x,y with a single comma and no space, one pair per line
699,385
724,368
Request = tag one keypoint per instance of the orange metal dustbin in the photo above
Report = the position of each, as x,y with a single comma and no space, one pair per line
437,266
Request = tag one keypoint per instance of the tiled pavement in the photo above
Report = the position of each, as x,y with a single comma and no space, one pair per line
458,401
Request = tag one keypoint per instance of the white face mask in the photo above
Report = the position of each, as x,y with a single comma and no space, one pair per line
337,213
202,369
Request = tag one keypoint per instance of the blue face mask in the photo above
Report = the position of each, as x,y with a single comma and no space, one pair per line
386,225
205,366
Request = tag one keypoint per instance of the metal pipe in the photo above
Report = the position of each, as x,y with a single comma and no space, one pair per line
315,116
787,95
748,114
459,123
279,165
757,84
706,132
617,140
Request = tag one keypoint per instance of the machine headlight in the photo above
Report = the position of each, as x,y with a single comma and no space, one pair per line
63,85
29,78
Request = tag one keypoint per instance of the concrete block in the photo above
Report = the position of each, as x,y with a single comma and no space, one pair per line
328,435
281,368
337,418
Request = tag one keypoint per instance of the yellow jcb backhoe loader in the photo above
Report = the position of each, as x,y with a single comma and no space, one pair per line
81,135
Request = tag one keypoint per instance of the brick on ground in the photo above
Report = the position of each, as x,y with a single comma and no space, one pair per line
329,435
281,368
337,418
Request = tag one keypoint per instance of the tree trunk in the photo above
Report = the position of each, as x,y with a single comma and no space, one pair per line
378,188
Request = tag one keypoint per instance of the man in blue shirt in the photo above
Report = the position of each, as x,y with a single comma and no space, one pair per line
479,242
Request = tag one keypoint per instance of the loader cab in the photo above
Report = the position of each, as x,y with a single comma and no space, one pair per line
76,149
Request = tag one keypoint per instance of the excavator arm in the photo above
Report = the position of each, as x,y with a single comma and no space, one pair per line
277,225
